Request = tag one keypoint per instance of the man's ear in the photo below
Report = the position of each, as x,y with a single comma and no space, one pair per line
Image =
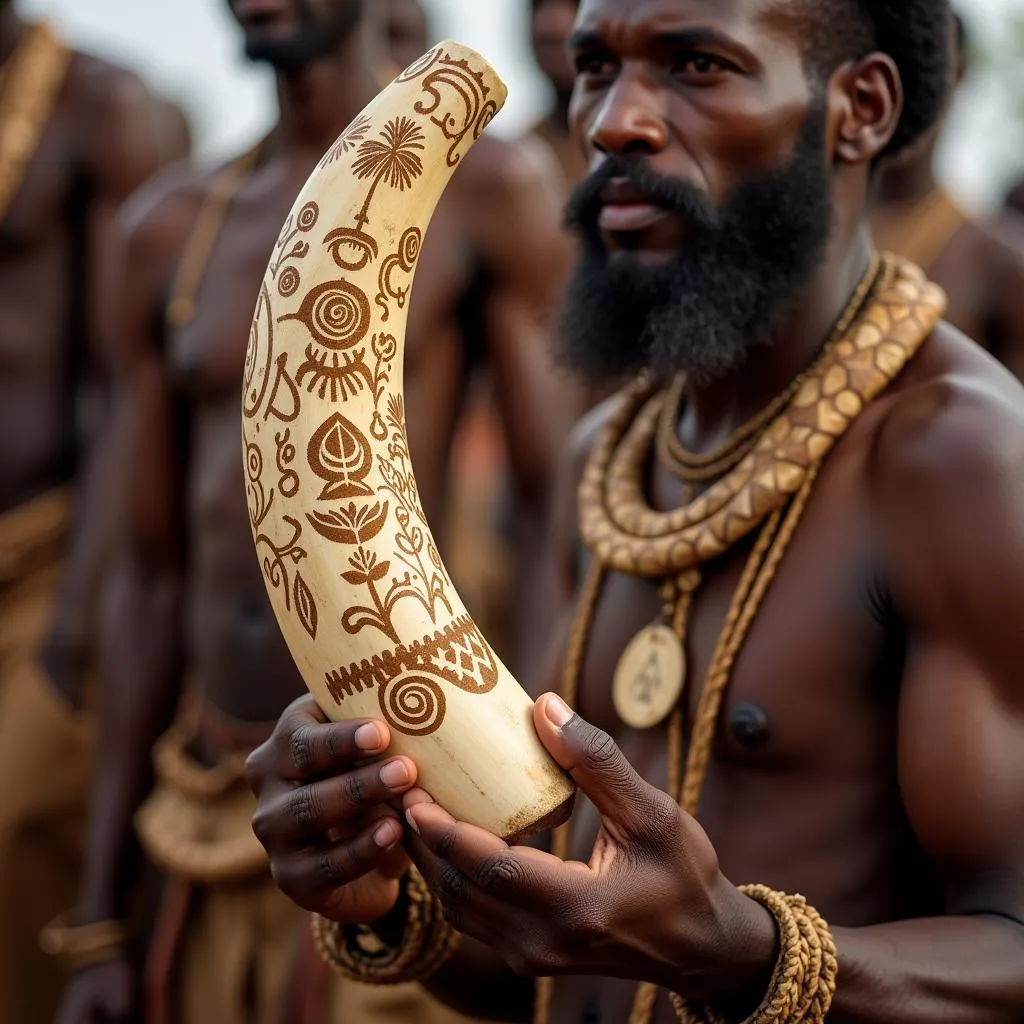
865,101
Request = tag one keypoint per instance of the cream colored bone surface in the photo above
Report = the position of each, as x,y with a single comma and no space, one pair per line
365,603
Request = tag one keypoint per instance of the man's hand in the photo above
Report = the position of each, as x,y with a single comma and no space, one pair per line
650,905
102,994
324,814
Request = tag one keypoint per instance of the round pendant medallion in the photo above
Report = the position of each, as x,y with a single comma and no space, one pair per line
649,678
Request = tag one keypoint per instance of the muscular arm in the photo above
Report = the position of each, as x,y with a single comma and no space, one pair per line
126,138
957,575
140,631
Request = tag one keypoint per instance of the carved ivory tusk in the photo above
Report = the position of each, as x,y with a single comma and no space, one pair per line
366,605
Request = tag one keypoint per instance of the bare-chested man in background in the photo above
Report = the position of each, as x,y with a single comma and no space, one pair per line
551,24
190,625
976,264
77,135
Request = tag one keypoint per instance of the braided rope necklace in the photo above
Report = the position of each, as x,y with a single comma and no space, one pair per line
698,468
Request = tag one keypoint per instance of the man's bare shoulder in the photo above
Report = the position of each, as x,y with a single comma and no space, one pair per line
99,89
948,454
123,132
496,169
163,212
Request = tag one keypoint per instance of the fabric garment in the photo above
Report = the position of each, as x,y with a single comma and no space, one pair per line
229,947
45,761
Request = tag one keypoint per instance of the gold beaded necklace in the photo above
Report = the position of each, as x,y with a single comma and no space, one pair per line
768,491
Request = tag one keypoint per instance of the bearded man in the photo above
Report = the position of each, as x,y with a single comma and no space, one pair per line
190,625
809,504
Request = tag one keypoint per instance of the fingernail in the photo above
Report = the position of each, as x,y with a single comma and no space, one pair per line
412,821
558,712
388,834
368,738
395,774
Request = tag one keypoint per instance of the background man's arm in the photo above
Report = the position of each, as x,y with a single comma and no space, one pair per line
957,575
527,257
127,136
140,633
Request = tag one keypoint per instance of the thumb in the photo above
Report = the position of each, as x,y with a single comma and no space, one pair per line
598,767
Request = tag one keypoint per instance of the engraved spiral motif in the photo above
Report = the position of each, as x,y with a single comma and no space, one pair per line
409,248
253,462
413,703
337,314
308,216
288,283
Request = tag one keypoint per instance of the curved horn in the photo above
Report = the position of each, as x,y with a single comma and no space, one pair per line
366,605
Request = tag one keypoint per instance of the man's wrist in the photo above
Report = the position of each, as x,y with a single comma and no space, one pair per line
742,954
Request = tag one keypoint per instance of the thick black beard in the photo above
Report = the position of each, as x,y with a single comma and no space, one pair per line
318,36
736,277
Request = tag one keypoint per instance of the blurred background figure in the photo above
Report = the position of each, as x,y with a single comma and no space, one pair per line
1014,201
551,23
195,668
77,135
407,31
917,217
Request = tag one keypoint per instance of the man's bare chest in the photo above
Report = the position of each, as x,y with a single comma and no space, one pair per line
207,353
812,693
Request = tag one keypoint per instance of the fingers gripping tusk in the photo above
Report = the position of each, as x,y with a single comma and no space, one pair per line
362,596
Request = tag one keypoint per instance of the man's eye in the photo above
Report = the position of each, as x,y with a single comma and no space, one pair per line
594,64
697,64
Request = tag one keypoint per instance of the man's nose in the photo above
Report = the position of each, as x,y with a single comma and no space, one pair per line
629,120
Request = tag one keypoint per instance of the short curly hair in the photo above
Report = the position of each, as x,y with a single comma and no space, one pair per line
916,34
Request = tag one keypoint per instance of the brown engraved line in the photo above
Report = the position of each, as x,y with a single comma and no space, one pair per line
354,134
420,65
254,395
471,91
287,277
405,260
412,539
385,350
457,654
277,558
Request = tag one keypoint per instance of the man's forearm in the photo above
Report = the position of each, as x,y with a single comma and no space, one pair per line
476,982
963,970
140,675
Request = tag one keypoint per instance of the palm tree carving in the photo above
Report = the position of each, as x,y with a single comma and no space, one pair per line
393,158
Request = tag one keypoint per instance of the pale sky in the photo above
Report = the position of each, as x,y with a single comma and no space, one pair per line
189,50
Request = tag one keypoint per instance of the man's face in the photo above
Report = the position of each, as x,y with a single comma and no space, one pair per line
289,34
551,24
407,31
708,205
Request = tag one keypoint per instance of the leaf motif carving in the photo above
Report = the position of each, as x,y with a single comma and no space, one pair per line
305,606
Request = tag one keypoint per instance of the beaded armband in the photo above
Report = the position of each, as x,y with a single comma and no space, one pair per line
804,980
359,954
